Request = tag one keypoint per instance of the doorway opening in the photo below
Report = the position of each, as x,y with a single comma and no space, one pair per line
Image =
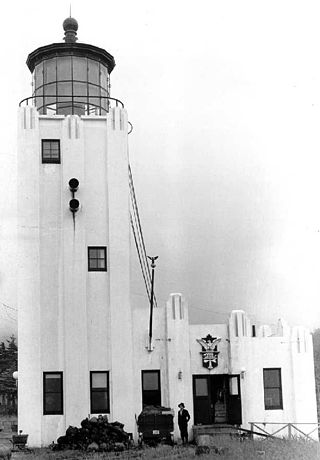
217,399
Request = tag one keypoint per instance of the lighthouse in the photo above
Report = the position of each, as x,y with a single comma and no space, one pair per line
75,317
84,349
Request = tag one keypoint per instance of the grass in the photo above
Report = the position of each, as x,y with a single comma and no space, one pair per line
233,450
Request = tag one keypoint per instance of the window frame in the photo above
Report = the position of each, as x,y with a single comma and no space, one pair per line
45,392
100,390
278,387
149,371
93,269
45,160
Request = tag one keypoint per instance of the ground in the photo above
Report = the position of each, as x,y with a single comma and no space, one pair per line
226,449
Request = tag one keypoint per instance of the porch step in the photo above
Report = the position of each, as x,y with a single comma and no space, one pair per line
220,412
205,434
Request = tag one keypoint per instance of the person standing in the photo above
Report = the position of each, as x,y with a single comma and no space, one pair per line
183,419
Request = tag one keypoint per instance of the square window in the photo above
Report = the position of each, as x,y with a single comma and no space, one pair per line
97,258
99,392
150,380
52,393
151,390
50,151
272,389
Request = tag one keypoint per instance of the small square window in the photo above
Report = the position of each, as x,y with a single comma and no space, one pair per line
52,393
50,151
99,392
97,258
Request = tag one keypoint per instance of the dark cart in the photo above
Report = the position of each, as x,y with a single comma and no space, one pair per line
19,442
155,425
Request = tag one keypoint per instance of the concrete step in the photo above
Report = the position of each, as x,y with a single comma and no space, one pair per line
205,434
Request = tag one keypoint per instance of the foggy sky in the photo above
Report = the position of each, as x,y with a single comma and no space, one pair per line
225,103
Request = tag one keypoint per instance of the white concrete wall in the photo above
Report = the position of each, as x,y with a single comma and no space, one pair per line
278,349
178,357
119,255
149,360
170,354
29,333
72,320
76,321
303,379
241,354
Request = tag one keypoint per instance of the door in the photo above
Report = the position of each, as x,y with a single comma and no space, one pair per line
217,399
201,400
210,399
234,400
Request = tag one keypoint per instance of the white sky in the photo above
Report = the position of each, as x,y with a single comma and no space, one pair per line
225,102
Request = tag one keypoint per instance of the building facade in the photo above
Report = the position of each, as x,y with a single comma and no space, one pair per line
83,349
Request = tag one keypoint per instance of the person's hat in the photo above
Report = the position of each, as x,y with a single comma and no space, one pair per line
181,405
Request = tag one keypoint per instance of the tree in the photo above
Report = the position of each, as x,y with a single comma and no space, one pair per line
316,353
8,364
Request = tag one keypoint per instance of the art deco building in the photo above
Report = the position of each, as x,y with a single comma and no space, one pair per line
83,348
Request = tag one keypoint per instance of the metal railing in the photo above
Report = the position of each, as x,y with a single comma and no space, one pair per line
74,107
285,429
58,104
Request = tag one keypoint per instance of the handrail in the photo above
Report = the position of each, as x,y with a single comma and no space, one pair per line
84,99
73,102
288,426
238,429
286,423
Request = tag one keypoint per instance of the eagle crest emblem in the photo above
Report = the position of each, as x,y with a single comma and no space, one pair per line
209,351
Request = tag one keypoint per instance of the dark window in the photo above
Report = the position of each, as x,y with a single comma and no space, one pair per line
272,389
97,259
151,391
52,393
99,392
50,151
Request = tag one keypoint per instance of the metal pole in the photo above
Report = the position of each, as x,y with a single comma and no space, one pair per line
153,266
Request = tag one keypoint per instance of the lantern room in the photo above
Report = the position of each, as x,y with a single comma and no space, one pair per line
71,78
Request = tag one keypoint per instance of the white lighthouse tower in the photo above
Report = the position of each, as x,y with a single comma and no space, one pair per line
75,318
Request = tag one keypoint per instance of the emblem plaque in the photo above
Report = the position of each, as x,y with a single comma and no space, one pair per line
209,351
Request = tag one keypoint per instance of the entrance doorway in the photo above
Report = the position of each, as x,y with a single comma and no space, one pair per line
217,399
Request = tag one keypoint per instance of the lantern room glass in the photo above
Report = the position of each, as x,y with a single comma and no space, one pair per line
65,85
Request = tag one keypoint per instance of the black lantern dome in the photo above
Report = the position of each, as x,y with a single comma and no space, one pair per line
71,77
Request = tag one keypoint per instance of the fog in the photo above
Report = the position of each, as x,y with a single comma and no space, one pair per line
225,103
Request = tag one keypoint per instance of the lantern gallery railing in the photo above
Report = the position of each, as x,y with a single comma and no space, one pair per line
285,430
73,104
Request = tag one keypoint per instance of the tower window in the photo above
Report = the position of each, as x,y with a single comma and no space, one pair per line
272,389
52,393
50,151
97,258
151,390
99,392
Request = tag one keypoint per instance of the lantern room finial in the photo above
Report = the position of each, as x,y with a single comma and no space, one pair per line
70,26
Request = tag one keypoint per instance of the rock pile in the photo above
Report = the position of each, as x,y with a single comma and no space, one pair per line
95,434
